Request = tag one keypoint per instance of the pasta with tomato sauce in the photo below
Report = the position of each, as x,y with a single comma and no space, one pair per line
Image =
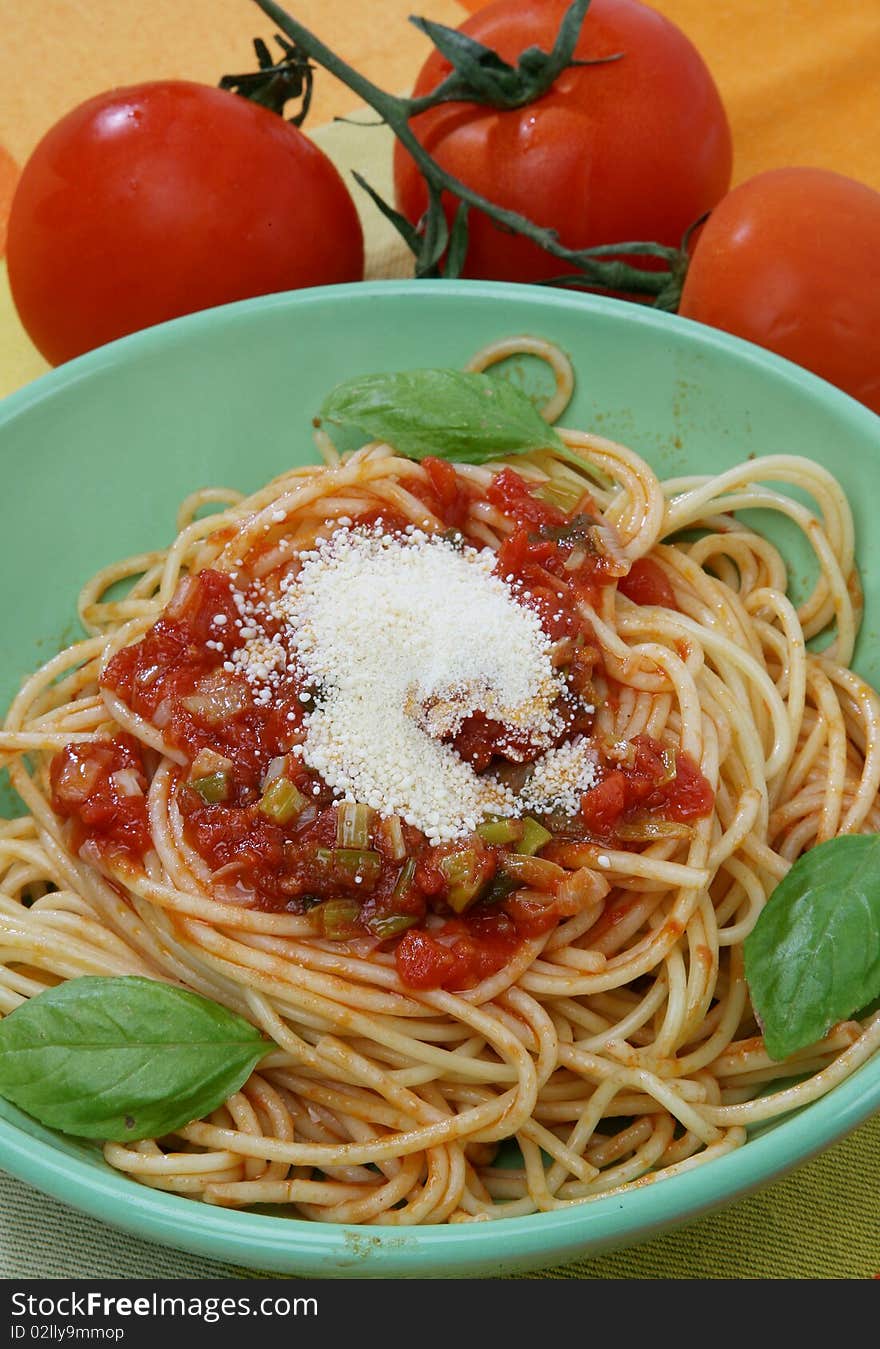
465,784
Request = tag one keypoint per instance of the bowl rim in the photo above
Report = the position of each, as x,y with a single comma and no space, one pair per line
298,1246
147,340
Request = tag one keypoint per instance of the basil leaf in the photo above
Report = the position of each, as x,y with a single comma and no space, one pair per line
123,1058
813,957
451,414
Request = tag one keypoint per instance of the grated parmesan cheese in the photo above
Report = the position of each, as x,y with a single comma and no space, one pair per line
403,638
561,777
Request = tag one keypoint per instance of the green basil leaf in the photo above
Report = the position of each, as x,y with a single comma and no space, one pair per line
813,957
123,1058
451,414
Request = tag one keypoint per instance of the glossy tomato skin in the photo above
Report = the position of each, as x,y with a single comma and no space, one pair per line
165,198
637,149
788,260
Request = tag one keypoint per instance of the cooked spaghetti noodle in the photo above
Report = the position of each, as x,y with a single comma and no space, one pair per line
595,1014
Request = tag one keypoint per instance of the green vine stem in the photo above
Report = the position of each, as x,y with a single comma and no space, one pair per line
276,82
441,250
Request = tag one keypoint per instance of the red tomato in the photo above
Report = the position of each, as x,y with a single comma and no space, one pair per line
644,785
603,805
157,200
688,797
646,583
447,497
466,953
516,499
787,261
101,787
639,148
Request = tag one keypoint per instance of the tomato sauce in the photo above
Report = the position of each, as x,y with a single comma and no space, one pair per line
175,677
446,495
650,783
101,787
557,561
647,583
457,955
183,677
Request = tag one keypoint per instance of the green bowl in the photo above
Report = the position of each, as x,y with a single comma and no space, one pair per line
98,454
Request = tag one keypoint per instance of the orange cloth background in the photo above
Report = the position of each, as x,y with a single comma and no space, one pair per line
801,82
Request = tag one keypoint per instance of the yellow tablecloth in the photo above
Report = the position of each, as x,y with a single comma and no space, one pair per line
799,79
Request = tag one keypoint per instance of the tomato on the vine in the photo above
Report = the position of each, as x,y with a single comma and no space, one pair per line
788,260
636,148
153,201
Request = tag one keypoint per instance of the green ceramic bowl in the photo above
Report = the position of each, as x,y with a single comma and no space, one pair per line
96,457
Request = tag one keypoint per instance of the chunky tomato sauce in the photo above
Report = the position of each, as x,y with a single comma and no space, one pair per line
647,583
649,782
445,494
268,827
175,678
458,954
101,788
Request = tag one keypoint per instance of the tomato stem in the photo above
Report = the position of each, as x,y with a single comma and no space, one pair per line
276,82
479,75
441,251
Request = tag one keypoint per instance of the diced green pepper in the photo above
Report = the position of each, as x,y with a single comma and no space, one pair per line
358,866
353,822
466,875
212,788
405,879
499,833
500,887
282,801
337,918
534,836
392,924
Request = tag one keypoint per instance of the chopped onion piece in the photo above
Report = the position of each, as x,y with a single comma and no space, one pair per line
208,761
77,780
275,769
607,544
580,889
217,698
670,767
162,714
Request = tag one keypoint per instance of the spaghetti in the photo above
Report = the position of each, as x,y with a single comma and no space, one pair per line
568,975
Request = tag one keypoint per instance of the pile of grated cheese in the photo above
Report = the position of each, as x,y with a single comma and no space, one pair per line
403,639
561,777
400,639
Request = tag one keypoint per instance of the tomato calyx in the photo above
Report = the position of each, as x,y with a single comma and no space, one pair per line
276,82
480,75
440,247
